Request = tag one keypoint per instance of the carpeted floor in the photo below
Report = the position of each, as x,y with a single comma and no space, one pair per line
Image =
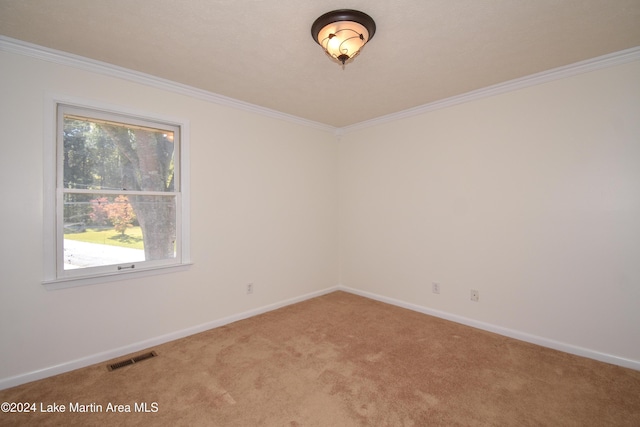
341,360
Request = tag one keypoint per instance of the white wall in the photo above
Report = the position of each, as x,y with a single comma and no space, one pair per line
531,197
263,210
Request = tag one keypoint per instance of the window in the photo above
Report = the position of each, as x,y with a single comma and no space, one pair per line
119,196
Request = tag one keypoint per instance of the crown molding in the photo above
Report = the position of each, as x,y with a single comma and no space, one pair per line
20,47
600,62
63,58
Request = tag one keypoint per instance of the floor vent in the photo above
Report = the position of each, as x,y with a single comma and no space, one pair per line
131,361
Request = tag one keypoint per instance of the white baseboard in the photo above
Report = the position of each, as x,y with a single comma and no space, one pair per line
511,333
142,345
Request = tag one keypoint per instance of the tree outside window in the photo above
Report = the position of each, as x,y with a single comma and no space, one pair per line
119,191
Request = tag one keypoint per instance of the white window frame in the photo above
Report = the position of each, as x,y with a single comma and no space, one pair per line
55,276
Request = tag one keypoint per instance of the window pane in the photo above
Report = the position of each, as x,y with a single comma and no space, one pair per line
118,197
107,155
101,230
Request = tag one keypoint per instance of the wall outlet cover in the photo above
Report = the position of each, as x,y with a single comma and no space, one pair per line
435,287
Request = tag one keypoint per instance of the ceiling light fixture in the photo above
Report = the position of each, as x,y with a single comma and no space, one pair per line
342,33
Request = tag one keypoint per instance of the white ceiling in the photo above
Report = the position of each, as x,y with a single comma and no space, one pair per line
261,51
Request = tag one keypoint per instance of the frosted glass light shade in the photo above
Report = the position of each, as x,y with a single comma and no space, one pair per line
342,33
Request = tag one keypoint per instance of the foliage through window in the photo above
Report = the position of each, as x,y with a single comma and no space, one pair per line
118,203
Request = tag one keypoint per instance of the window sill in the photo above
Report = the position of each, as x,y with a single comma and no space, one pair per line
72,282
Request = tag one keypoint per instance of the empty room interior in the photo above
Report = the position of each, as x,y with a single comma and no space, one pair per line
440,229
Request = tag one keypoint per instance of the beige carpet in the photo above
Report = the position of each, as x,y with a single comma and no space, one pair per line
342,360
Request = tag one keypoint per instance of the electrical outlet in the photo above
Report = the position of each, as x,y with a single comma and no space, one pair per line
249,288
435,287
475,295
